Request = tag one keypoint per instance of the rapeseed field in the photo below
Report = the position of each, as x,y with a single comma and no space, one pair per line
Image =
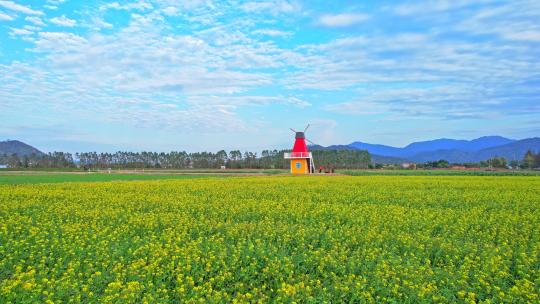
369,239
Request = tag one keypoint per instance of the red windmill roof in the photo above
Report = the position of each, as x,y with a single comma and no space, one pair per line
300,143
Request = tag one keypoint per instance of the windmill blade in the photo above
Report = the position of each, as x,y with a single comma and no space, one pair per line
311,142
293,130
306,128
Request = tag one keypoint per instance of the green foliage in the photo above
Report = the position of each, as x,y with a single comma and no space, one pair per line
50,160
440,164
531,160
495,162
342,159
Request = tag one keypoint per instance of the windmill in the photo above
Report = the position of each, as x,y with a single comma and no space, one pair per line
301,159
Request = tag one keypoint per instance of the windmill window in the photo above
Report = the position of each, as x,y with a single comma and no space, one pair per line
298,165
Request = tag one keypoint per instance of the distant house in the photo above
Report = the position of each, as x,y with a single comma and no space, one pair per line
3,166
408,166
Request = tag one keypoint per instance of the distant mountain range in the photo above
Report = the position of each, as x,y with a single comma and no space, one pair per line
452,150
10,147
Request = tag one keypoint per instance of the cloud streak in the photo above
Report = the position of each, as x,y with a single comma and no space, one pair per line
63,21
10,5
275,7
342,20
35,20
5,17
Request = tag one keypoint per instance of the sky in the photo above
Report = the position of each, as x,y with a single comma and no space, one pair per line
204,75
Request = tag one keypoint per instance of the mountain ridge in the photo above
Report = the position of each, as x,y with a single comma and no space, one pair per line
453,150
10,147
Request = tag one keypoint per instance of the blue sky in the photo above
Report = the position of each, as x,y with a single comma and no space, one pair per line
205,75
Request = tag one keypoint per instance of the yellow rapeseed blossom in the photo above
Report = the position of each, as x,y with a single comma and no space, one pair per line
365,239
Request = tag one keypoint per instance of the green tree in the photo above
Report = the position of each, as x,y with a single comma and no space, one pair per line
514,164
537,160
498,162
14,161
528,160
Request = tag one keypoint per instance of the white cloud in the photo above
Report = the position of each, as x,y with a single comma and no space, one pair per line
35,20
32,28
324,132
19,8
358,107
170,11
274,7
247,100
16,31
187,81
53,4
272,33
59,42
456,101
99,23
257,6
139,5
152,74
426,7
505,21
524,36
297,102
63,21
5,17
342,20
438,78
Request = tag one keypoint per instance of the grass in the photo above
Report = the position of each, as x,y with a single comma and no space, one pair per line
87,177
60,176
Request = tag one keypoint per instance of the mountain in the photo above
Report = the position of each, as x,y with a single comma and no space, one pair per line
512,151
453,144
17,147
381,159
433,145
487,142
333,147
453,156
377,149
375,158
443,144
453,150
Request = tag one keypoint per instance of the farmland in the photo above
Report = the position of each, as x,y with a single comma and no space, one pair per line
12,176
35,177
273,239
97,177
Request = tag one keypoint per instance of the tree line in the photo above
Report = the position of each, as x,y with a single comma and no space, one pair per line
267,159
531,160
